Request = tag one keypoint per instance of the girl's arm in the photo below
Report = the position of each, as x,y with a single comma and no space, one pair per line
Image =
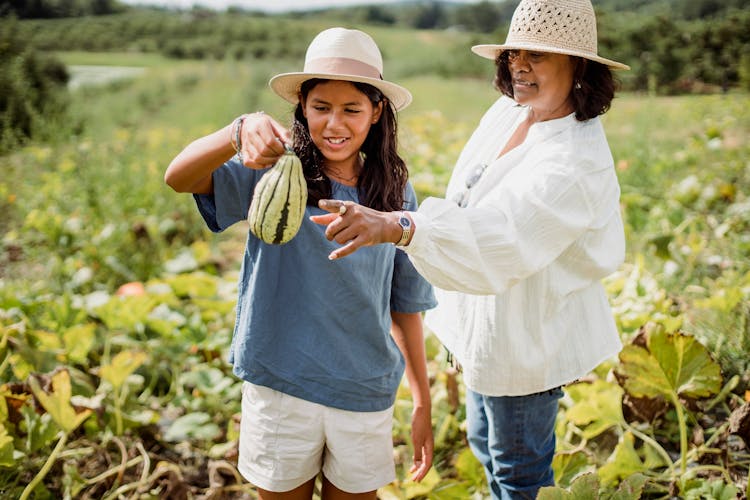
261,139
190,171
407,332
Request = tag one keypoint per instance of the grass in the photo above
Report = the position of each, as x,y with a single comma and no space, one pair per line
463,100
114,59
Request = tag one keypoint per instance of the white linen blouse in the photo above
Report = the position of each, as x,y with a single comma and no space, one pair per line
517,272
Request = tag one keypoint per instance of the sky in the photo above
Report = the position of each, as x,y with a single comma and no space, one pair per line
266,5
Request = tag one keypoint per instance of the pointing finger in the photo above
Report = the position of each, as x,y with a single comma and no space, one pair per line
333,206
324,219
345,250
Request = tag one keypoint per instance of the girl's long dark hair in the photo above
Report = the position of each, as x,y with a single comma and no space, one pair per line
383,179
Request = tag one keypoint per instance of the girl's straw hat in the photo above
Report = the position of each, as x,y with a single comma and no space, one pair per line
560,26
341,54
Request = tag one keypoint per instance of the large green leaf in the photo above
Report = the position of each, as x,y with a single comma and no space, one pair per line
672,365
40,430
79,340
126,313
196,425
698,489
468,467
57,402
623,462
122,366
193,285
413,489
597,407
6,448
452,490
585,487
207,380
630,489
687,364
569,465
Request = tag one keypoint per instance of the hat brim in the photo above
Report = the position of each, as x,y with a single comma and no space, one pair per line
287,86
490,51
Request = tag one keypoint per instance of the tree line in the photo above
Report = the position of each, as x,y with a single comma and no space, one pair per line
48,9
673,46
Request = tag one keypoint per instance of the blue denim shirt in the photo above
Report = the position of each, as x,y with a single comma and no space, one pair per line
310,327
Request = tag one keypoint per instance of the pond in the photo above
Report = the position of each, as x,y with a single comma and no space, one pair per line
81,75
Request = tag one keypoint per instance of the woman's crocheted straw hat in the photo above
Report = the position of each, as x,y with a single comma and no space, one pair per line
341,54
560,26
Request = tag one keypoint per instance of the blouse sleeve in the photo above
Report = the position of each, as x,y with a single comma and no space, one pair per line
233,188
410,292
519,228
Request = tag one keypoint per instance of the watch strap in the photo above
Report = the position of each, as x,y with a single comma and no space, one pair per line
406,226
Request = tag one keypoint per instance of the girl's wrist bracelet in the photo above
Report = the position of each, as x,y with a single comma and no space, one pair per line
235,137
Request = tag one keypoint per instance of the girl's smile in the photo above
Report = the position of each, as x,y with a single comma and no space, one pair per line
339,117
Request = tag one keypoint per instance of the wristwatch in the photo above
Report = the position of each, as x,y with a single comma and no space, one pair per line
405,222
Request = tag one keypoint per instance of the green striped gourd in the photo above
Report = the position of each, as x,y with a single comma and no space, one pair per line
279,201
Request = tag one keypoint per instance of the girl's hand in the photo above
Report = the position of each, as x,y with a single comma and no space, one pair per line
355,226
423,443
263,140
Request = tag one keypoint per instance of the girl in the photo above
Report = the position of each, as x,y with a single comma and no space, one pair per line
321,345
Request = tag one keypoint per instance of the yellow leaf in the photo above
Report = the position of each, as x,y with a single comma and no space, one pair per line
57,403
122,366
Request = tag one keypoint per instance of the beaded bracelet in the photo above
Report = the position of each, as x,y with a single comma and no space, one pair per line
235,138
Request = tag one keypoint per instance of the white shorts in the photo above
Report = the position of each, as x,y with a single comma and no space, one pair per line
286,441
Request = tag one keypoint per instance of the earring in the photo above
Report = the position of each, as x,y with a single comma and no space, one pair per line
578,85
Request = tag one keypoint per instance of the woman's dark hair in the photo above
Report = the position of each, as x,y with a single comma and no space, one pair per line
383,179
593,98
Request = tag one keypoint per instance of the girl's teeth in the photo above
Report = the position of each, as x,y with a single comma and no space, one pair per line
336,141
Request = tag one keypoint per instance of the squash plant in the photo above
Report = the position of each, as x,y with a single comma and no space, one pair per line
656,370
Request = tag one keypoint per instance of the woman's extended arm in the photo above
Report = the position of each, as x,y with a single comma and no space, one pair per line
407,332
484,250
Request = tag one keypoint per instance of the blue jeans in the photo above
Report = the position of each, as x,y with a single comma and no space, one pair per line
514,438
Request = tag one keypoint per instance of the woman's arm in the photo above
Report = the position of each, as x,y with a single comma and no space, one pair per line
482,250
261,139
407,332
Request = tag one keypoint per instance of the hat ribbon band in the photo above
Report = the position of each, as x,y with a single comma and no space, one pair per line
342,66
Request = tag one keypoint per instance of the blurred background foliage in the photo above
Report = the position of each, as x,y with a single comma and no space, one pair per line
673,46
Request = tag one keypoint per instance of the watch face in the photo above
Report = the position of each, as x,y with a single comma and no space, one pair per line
404,221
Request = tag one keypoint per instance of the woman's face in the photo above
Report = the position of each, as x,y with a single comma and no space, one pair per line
542,81
339,117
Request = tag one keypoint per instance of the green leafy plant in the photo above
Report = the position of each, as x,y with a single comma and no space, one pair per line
57,404
586,487
672,366
116,373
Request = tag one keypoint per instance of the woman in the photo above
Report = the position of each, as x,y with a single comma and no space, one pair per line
313,338
529,226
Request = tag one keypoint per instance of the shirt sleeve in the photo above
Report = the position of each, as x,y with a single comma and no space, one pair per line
520,228
410,292
233,185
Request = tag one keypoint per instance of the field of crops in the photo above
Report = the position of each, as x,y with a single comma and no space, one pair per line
116,304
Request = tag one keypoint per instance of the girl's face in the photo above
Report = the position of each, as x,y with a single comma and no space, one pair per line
542,81
339,117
